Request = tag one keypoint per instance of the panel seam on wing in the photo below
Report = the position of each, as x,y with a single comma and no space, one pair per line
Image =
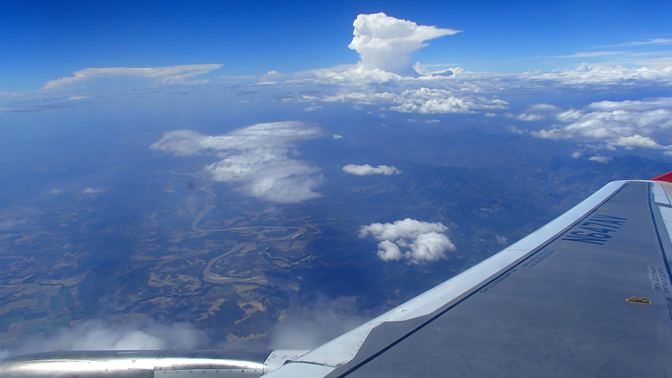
659,194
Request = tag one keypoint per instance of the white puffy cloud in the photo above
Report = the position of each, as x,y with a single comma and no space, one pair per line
272,76
93,191
410,239
363,98
542,108
258,157
423,101
385,42
470,92
165,75
548,134
181,143
535,112
336,136
387,251
351,75
98,334
363,170
628,124
637,141
600,159
422,70
649,104
526,116
656,73
587,76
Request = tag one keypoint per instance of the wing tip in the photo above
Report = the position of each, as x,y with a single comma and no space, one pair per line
666,177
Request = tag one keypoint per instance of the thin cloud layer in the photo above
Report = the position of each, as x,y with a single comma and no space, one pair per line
311,326
385,42
101,335
409,239
364,170
93,191
653,41
165,75
627,124
259,157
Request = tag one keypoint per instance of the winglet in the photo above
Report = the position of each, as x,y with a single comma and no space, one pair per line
666,177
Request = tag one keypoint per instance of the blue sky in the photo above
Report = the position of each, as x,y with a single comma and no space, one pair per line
595,73
46,40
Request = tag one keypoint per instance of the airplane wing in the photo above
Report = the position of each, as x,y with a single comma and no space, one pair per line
586,295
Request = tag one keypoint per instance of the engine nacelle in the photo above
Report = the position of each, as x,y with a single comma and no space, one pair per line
147,364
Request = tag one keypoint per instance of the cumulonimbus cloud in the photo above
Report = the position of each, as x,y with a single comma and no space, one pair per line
384,45
165,75
409,239
385,42
257,156
364,170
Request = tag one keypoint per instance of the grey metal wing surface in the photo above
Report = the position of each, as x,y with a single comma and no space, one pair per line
586,295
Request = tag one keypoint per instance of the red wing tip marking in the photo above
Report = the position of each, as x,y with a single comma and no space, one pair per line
666,177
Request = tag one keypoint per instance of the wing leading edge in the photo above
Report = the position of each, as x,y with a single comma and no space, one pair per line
568,300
